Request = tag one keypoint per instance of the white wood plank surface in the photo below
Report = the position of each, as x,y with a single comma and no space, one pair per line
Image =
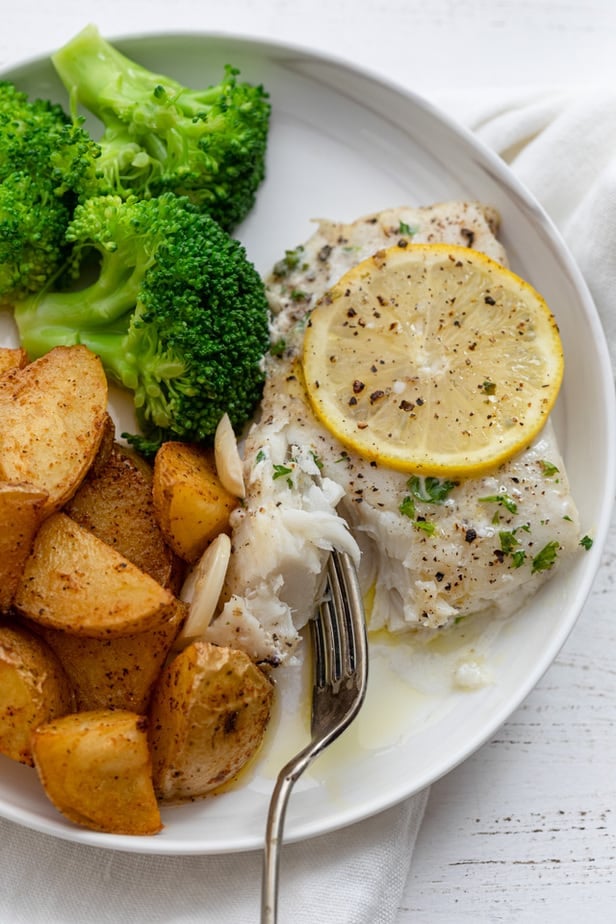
525,830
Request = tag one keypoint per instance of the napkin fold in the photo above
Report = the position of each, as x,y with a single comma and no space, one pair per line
353,876
563,147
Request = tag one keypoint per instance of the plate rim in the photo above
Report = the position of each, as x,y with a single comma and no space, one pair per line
275,49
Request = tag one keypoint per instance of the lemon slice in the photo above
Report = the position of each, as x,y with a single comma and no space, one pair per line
434,359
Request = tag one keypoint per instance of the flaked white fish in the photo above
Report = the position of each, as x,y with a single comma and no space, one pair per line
428,553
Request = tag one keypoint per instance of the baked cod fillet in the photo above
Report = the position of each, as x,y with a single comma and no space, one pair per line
480,544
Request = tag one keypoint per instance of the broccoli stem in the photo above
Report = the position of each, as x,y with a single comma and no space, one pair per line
98,76
62,318
105,81
146,372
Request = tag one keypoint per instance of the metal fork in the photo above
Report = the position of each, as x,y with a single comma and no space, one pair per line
339,687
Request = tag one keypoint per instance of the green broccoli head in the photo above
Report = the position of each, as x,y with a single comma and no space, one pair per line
46,164
33,222
177,313
159,136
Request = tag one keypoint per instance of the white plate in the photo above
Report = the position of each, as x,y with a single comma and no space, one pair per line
342,144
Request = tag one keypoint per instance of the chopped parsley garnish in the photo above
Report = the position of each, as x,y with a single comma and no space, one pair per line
508,541
405,228
290,261
586,542
546,558
281,470
407,507
430,490
278,348
503,499
425,526
509,545
260,456
297,295
548,468
518,558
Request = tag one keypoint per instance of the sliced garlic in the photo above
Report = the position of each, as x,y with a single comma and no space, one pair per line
227,456
202,588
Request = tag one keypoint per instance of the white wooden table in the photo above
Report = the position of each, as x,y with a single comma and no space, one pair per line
525,829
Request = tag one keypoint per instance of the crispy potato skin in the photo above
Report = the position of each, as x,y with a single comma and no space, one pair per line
115,503
53,414
208,716
96,769
33,689
12,358
116,673
190,502
21,513
76,582
105,446
94,546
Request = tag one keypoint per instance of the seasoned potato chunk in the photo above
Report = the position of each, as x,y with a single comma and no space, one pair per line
104,447
115,503
12,358
76,582
53,414
33,690
116,673
96,769
21,513
209,712
190,502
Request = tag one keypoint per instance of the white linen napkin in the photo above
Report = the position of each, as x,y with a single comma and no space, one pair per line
563,146
354,876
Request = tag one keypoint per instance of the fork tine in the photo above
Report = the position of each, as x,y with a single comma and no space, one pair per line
341,648
333,625
340,677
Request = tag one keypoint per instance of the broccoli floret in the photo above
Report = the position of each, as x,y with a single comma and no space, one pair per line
46,163
32,228
208,144
177,314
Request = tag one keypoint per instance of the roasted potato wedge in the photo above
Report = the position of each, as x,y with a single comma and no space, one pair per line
53,414
115,503
190,502
116,673
12,358
21,513
76,582
208,715
95,768
33,689
105,446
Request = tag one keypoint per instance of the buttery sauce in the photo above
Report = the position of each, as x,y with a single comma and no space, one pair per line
411,685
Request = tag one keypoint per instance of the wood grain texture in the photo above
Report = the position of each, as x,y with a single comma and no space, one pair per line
525,830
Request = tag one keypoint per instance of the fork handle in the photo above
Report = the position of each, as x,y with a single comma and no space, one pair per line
275,824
